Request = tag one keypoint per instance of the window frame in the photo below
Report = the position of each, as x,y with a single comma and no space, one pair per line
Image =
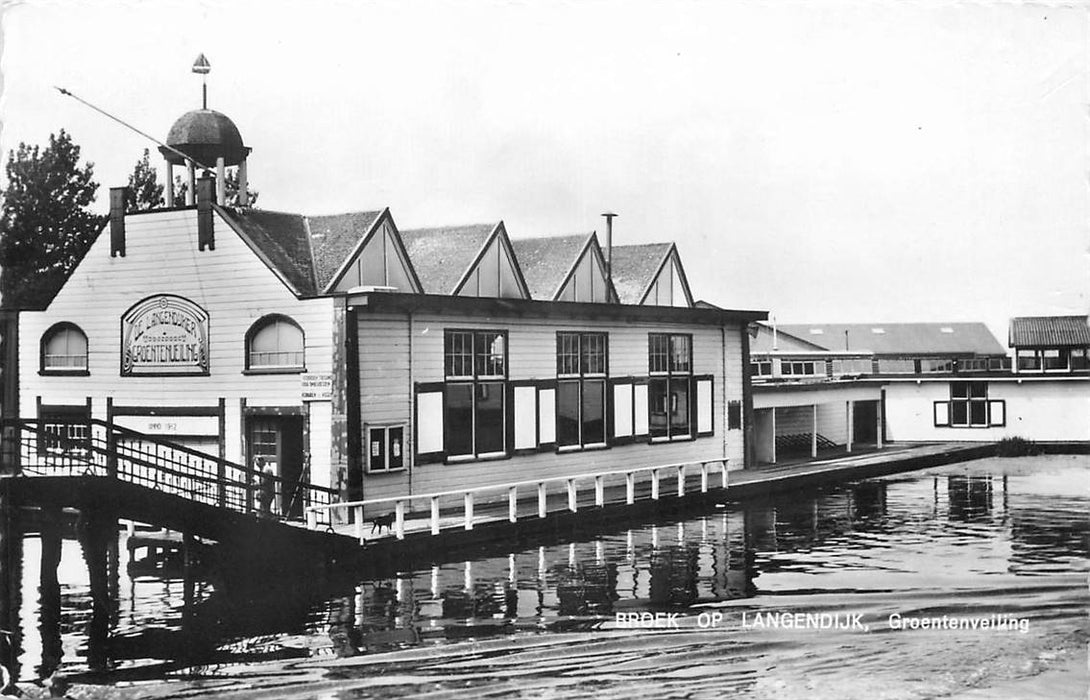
672,376
43,342
581,378
258,326
475,381
385,428
963,393
75,423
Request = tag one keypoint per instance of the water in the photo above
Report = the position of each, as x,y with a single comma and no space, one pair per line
1001,542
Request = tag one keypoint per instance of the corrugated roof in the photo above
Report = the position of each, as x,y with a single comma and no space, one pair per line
634,268
900,338
1052,331
442,255
784,342
545,261
282,239
334,237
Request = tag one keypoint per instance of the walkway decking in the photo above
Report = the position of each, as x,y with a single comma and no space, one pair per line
741,483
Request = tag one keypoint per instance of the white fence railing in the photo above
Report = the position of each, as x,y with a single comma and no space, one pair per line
469,496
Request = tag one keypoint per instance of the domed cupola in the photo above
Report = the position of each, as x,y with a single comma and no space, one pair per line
205,135
206,139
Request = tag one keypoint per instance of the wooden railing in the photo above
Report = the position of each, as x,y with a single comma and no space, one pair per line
354,510
91,447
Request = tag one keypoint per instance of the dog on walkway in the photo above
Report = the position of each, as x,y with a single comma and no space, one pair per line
382,521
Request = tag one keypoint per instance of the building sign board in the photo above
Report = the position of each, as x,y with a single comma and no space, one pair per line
171,425
316,386
164,335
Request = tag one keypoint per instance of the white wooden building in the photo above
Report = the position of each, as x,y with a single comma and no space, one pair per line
349,353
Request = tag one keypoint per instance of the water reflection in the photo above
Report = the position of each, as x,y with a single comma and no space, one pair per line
922,536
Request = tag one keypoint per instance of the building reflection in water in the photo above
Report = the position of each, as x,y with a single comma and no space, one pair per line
671,564
968,497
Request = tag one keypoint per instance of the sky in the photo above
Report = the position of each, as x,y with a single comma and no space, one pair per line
827,162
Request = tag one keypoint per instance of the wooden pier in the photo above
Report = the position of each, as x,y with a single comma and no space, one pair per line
474,517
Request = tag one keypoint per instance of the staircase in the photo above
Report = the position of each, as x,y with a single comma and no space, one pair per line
802,442
93,464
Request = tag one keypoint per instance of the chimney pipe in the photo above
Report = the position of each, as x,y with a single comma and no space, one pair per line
609,245
117,220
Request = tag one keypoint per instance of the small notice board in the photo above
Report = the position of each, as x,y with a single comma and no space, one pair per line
317,386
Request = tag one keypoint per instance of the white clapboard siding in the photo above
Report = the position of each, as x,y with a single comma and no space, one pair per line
532,355
230,283
730,389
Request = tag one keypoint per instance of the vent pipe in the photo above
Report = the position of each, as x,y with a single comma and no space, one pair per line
609,245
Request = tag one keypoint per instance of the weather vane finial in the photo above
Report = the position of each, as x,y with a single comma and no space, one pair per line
202,66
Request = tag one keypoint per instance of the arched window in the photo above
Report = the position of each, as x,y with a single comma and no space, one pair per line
64,349
275,343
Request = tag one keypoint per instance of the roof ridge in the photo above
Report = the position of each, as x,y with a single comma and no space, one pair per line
346,213
491,224
310,249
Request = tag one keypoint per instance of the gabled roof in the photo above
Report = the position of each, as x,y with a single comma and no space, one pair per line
442,256
334,238
634,268
900,338
546,261
1051,331
281,240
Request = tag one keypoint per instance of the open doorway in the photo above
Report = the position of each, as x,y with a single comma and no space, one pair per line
279,441
865,423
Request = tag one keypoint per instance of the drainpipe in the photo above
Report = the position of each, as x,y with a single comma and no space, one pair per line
411,456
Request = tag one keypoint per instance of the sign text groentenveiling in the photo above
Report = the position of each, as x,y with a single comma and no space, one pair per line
164,335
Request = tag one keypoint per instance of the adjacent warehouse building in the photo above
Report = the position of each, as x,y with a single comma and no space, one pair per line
822,388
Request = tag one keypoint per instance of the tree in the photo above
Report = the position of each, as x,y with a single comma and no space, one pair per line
45,225
145,192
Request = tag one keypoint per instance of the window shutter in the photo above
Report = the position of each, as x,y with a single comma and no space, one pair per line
704,407
639,410
622,410
546,416
997,413
525,417
429,422
942,414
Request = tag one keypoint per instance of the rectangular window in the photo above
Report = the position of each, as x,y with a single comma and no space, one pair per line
581,367
65,430
1055,360
474,412
734,415
385,448
968,404
761,368
669,404
797,369
1029,361
929,366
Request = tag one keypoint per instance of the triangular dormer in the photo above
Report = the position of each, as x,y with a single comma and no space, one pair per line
587,281
378,259
494,272
669,286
